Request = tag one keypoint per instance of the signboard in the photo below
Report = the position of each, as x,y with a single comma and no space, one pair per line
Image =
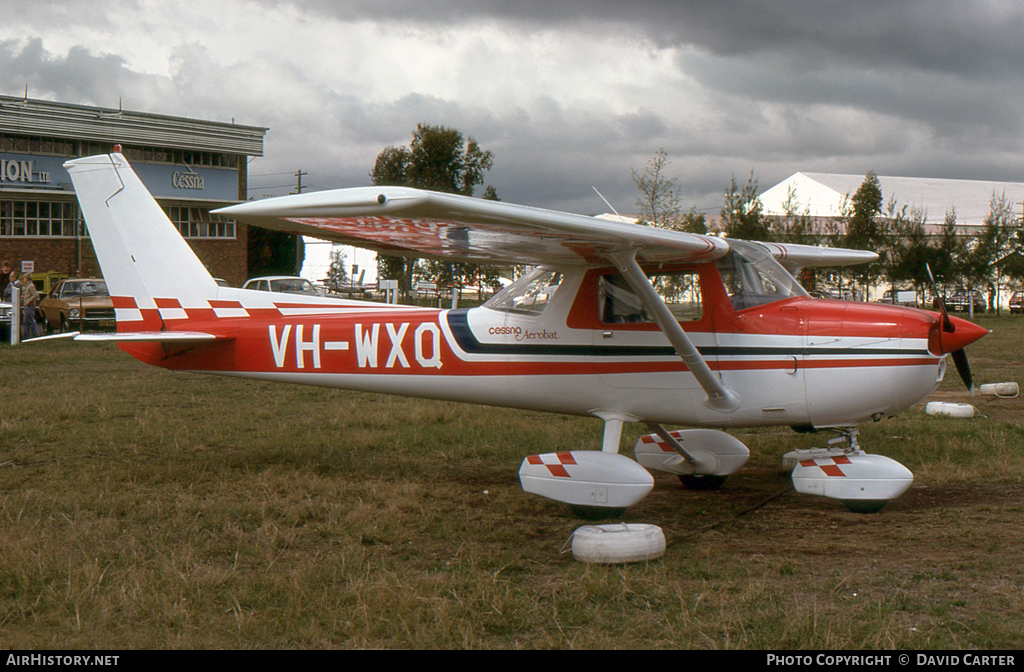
24,171
28,267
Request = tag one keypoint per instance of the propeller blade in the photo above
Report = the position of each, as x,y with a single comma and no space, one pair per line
947,324
963,368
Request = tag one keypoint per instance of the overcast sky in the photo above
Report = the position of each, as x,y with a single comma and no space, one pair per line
567,95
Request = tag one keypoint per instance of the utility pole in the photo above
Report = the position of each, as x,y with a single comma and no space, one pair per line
298,238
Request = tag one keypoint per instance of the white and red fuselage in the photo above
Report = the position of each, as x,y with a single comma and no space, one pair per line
622,322
799,361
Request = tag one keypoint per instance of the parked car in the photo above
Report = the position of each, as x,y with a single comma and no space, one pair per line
286,284
1017,303
5,322
845,295
78,303
960,303
45,282
903,297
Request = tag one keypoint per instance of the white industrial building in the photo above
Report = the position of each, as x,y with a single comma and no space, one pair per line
823,195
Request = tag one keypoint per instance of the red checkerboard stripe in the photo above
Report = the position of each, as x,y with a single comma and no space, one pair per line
829,465
554,462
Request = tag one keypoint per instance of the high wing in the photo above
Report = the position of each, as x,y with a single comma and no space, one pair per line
411,222
794,257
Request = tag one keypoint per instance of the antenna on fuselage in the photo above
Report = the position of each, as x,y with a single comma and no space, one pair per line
610,206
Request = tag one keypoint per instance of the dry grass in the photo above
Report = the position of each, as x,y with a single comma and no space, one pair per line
145,509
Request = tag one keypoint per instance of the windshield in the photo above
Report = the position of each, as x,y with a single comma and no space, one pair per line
529,294
752,277
83,288
292,286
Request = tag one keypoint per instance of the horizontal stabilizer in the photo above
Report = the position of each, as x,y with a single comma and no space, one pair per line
52,337
152,337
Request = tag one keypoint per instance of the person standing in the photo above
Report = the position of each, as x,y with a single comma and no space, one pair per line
29,301
5,276
12,282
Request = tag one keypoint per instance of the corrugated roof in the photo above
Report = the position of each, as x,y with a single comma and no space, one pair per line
80,122
823,193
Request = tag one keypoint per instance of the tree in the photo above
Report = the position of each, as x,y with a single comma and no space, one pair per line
864,231
693,222
659,195
273,252
742,212
658,201
905,246
796,225
947,262
992,248
437,159
337,274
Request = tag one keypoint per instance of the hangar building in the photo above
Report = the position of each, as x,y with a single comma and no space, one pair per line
822,195
190,166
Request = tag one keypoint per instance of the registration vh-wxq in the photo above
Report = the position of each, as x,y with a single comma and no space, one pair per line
621,322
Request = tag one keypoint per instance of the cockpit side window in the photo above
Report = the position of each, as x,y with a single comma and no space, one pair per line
529,295
752,277
681,291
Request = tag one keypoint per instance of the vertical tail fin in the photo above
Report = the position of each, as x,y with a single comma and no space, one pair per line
144,259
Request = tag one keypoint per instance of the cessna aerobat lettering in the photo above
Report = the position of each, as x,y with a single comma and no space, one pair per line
621,322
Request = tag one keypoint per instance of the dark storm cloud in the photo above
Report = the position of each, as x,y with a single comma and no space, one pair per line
946,35
950,64
924,88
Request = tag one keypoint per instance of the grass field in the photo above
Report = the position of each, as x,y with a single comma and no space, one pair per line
145,509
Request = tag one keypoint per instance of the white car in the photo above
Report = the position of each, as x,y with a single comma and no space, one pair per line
285,284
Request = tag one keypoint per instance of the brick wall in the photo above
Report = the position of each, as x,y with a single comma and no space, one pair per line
227,259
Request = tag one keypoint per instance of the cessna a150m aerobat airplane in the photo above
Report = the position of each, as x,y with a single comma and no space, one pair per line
622,322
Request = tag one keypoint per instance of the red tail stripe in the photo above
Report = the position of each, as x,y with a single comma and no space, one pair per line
166,303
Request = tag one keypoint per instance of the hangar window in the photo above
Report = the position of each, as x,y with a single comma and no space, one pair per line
680,290
33,144
196,222
39,218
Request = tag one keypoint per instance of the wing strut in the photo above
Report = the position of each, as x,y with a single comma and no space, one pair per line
719,397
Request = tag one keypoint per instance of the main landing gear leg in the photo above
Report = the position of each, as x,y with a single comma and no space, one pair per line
609,445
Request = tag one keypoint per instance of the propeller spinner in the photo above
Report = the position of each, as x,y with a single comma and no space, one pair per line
952,335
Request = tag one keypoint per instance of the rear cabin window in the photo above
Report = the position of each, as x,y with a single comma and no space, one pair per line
680,290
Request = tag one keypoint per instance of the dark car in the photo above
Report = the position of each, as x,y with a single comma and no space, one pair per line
960,302
5,321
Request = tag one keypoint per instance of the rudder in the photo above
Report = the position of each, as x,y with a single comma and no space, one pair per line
142,255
